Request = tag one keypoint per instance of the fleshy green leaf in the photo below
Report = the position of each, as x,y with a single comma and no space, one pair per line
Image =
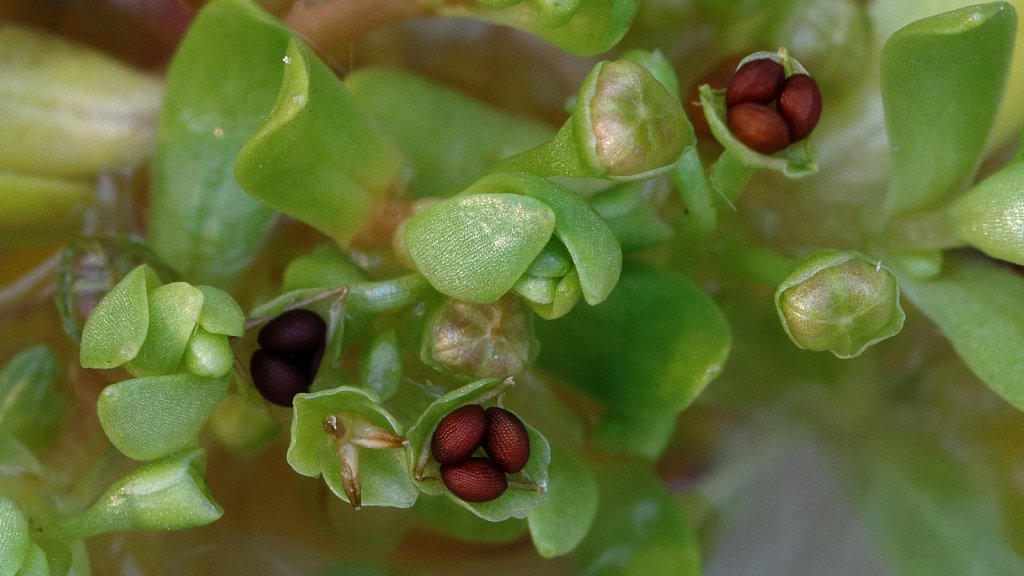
35,562
173,314
646,435
989,216
14,546
632,219
146,418
594,248
220,313
977,306
36,208
380,368
68,110
318,157
559,523
221,83
245,430
324,267
455,521
116,330
383,472
16,458
168,494
651,347
475,247
208,355
452,144
33,403
943,75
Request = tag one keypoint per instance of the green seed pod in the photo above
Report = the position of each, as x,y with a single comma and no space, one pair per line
991,216
840,301
473,341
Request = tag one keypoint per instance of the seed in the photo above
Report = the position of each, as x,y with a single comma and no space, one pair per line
293,331
475,479
757,81
506,440
277,377
458,434
800,105
759,127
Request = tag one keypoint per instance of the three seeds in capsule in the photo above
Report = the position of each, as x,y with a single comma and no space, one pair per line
751,116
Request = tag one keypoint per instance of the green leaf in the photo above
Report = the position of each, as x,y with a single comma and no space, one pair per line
35,563
450,145
220,314
15,544
475,247
58,95
168,494
560,523
208,355
976,304
33,402
383,472
651,347
563,298
324,267
318,157
115,331
988,216
16,458
632,219
173,314
592,28
645,436
943,75
638,529
457,522
221,83
594,248
380,368
37,208
147,418
243,429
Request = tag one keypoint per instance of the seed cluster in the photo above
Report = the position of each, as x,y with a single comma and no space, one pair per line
291,346
461,433
751,116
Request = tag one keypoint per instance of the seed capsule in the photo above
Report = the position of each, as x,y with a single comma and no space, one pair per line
506,440
293,331
277,377
458,434
757,81
759,127
800,105
475,479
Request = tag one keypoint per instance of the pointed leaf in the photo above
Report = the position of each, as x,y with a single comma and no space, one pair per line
14,546
173,314
115,331
220,314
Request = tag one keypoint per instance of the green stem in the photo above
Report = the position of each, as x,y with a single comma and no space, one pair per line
388,295
759,264
689,179
556,157
922,231
729,175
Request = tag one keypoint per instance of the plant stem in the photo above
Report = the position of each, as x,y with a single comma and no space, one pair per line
689,179
729,175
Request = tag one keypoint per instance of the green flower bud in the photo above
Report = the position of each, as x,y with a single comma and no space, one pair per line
840,301
991,216
472,341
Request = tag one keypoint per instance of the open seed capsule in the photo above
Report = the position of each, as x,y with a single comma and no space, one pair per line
800,105
475,479
458,434
758,81
293,331
506,440
759,127
277,377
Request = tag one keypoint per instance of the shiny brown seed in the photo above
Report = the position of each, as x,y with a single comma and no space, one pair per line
506,440
800,105
293,331
458,434
277,377
758,81
759,127
475,479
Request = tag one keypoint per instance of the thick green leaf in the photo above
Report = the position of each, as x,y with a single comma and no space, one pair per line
638,529
208,354
324,267
68,110
36,207
115,331
147,418
318,157
559,523
942,82
644,435
475,247
595,250
977,305
455,142
35,563
16,458
221,314
456,521
991,216
173,315
14,546
380,368
384,475
33,402
595,26
220,86
245,430
168,494
651,347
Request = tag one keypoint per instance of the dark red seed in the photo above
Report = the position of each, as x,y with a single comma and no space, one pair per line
277,377
758,81
475,479
759,127
293,331
800,105
506,440
458,434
